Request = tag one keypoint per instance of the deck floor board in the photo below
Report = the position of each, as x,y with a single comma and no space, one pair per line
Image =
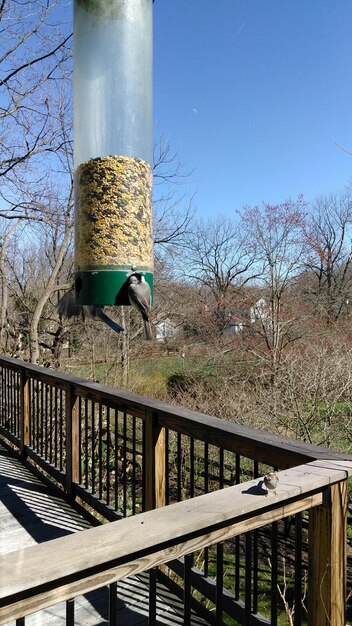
31,514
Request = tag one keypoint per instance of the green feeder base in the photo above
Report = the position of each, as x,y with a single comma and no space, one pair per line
107,286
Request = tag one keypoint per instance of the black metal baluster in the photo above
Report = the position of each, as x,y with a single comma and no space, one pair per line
86,442
18,403
179,467
219,583
248,579
12,429
113,604
144,429
56,427
124,464
167,468
274,573
61,428
51,423
141,432
3,395
20,621
108,448
2,398
9,400
116,467
46,440
221,468
7,419
237,539
70,612
4,391
255,553
35,415
187,590
80,440
191,478
12,403
45,421
191,467
41,446
255,571
12,407
92,474
133,476
15,403
14,400
33,429
100,451
206,468
152,597
206,489
298,570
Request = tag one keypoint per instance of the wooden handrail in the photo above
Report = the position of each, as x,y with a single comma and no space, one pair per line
255,444
37,577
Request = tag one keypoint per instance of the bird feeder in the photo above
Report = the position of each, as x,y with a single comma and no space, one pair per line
112,147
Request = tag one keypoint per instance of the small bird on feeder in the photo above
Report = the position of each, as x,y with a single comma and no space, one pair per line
271,481
139,295
68,307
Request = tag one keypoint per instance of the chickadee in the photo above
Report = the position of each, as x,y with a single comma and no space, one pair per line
68,307
271,481
140,298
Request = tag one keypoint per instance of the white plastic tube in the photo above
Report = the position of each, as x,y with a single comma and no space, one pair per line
112,79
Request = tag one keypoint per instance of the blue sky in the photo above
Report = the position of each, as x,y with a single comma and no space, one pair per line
254,95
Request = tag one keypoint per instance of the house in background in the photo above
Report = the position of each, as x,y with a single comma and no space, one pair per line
166,329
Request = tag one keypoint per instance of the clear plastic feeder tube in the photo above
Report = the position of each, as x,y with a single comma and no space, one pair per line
112,146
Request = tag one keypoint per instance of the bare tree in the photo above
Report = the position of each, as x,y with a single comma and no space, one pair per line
276,235
7,232
329,266
35,71
173,209
36,152
220,262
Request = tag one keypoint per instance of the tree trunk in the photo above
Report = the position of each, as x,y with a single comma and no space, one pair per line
4,289
125,346
50,288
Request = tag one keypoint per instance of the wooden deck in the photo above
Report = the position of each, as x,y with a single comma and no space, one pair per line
31,514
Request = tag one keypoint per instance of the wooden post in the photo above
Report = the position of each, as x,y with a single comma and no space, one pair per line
25,401
72,440
327,559
154,479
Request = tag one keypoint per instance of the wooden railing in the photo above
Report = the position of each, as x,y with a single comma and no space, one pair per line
117,454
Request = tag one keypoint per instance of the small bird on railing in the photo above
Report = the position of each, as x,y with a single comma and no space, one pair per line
68,307
271,481
139,295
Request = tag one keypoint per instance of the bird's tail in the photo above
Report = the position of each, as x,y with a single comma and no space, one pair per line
67,305
105,318
147,330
